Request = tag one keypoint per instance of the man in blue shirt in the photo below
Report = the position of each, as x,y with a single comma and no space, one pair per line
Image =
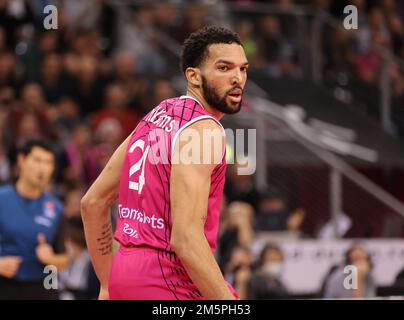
29,221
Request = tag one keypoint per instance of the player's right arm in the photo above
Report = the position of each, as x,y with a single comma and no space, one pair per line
189,193
95,211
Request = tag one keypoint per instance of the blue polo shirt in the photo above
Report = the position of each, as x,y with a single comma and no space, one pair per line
21,220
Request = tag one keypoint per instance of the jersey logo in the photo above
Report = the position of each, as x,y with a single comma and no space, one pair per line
130,231
50,211
43,221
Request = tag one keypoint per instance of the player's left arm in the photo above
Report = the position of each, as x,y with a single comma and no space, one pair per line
95,212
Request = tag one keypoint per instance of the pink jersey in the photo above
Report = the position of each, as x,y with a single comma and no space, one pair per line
144,213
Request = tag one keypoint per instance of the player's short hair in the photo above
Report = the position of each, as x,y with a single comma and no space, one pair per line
195,47
27,147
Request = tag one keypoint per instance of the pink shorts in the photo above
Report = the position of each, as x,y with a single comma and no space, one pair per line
151,274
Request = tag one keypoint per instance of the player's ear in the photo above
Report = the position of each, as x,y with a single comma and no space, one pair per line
193,76
20,159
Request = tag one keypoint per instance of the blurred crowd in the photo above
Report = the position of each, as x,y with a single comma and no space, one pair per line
85,85
355,59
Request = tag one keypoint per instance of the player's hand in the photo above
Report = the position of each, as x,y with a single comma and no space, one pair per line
9,266
104,294
44,250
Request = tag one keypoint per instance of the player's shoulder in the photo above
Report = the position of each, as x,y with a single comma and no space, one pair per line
187,106
205,123
7,196
169,103
6,191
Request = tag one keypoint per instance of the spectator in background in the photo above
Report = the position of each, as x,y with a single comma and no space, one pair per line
245,29
29,222
124,74
13,18
139,38
8,76
265,282
67,116
366,288
162,90
38,48
77,155
368,70
238,269
289,23
115,107
274,215
7,97
32,108
78,281
6,101
396,27
28,128
87,85
195,16
235,230
33,99
277,54
108,24
72,202
51,80
368,63
3,40
109,136
71,195
399,281
28,125
240,187
167,18
82,14
375,24
340,52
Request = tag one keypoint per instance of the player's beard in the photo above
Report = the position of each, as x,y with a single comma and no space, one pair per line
213,98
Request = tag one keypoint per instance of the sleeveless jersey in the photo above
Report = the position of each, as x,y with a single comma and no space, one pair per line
144,213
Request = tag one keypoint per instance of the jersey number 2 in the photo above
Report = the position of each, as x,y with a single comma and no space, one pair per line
140,164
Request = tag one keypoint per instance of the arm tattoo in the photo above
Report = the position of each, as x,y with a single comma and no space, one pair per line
105,240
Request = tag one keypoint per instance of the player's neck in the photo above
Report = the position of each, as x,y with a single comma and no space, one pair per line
198,96
25,190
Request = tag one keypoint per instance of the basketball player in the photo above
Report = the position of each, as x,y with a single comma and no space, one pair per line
168,210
